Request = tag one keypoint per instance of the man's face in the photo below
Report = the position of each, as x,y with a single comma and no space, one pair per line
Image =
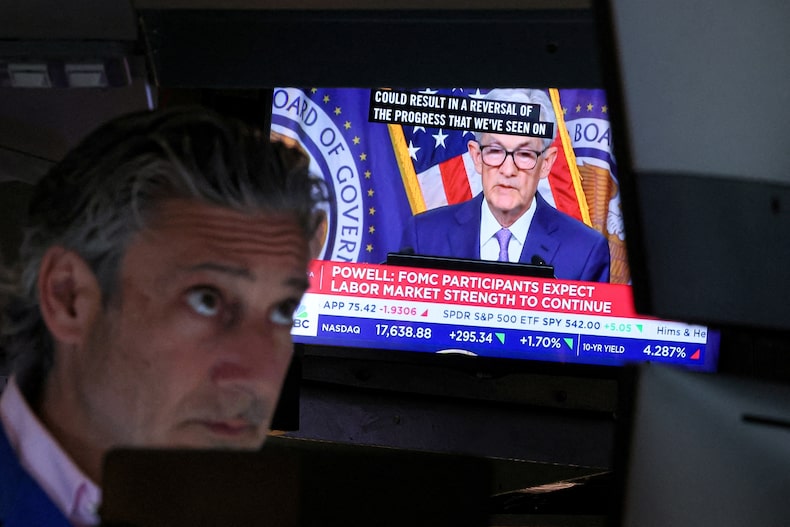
508,189
194,348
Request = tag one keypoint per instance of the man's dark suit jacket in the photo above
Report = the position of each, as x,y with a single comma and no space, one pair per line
576,251
22,501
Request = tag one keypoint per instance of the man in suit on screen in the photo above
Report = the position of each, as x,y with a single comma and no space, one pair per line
509,220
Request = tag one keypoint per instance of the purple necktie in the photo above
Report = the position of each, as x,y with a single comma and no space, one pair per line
503,237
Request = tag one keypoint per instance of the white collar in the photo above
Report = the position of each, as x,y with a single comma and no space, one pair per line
43,458
489,224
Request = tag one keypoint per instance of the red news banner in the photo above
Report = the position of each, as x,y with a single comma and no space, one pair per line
471,289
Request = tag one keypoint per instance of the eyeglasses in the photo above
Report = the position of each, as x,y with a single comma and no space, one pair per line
524,158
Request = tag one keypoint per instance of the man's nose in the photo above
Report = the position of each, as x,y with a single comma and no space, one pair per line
508,166
252,357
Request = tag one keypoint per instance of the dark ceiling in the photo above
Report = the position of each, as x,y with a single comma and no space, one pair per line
244,44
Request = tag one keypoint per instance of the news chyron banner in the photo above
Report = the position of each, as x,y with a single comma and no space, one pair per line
389,154
491,315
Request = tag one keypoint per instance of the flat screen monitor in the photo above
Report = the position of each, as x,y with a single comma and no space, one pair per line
299,483
391,154
703,450
701,148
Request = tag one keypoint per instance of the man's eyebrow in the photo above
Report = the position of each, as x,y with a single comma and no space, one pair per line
241,272
297,282
524,143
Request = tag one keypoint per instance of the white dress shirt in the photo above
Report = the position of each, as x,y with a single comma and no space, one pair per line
39,453
489,246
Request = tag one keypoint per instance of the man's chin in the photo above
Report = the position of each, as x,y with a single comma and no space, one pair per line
508,208
505,198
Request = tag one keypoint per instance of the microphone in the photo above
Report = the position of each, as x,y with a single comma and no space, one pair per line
537,260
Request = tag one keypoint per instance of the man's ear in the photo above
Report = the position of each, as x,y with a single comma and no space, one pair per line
477,158
69,295
549,157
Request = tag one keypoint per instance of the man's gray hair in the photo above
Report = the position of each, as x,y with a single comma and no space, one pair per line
530,96
109,186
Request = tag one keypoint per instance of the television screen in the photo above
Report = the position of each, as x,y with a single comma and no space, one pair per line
407,263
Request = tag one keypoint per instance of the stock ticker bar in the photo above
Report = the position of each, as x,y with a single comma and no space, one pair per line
423,310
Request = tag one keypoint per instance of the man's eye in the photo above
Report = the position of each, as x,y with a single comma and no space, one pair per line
525,154
204,301
283,314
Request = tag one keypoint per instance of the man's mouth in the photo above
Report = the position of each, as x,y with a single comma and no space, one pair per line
230,427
